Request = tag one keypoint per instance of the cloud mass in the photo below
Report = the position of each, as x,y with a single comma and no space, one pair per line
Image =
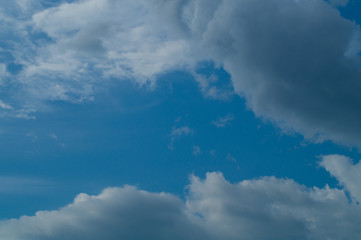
265,208
295,62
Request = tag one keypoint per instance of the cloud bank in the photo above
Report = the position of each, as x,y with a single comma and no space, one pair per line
296,62
266,208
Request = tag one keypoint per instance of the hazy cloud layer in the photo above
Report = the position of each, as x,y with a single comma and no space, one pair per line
295,62
265,208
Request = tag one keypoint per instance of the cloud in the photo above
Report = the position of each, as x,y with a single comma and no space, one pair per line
290,64
53,136
265,208
196,150
209,88
346,173
298,65
115,38
117,213
65,51
222,122
5,106
181,131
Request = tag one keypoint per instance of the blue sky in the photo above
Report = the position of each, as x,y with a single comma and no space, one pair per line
230,120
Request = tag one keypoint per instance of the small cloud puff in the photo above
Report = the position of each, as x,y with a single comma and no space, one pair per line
223,121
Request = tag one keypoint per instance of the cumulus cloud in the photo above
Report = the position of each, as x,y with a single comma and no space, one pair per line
117,213
296,62
214,209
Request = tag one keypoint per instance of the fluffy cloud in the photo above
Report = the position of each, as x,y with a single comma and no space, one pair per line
266,208
295,62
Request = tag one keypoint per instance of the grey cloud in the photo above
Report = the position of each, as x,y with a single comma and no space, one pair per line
214,209
117,213
287,58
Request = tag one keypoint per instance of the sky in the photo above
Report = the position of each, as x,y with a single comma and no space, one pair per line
180,119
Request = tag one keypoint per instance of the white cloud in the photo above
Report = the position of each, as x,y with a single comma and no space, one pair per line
223,121
5,106
297,65
117,213
266,209
347,173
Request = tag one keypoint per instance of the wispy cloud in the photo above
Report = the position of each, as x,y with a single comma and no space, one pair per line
23,185
53,136
178,132
33,136
181,131
196,150
5,106
223,121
